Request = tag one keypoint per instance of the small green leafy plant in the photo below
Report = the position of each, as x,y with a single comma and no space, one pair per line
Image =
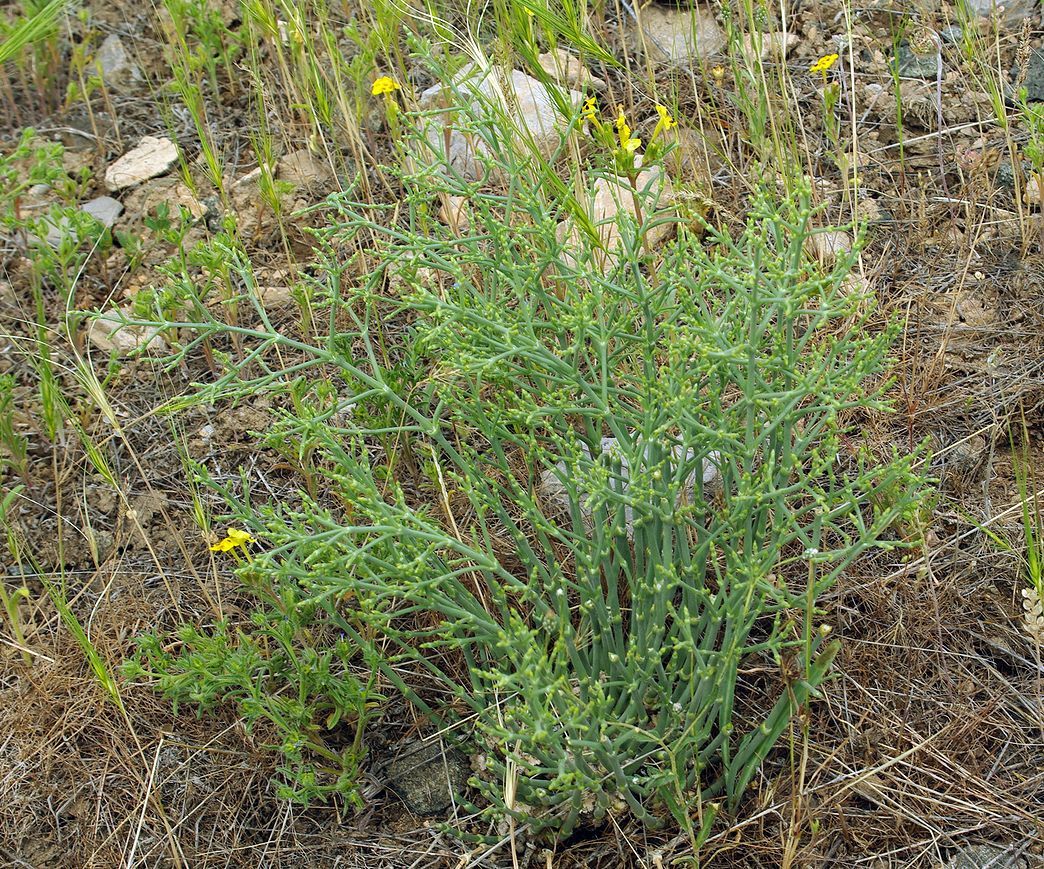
278,670
28,164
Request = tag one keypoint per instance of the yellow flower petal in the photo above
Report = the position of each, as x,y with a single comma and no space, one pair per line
623,128
239,537
589,109
385,85
666,121
235,537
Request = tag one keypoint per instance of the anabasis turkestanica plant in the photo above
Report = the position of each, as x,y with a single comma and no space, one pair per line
591,650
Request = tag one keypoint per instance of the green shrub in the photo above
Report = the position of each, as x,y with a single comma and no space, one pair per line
590,648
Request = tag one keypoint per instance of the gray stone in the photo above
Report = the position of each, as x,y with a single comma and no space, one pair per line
1005,176
990,857
1034,81
104,209
681,35
427,774
1008,11
115,66
915,65
152,156
951,34
523,102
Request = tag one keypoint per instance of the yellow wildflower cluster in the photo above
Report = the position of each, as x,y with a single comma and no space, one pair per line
625,144
665,123
823,64
590,110
385,85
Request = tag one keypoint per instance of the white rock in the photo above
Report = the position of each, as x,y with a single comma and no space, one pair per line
869,209
1033,190
828,246
522,101
680,35
855,285
250,179
275,296
108,333
114,64
553,488
775,45
610,202
172,191
567,69
610,197
150,158
302,168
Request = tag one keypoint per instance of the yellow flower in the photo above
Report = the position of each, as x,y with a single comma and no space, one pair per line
627,143
666,122
234,537
590,109
824,63
385,85
621,124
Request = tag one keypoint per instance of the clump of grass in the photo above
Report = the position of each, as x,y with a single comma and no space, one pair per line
11,602
1031,553
28,41
14,446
